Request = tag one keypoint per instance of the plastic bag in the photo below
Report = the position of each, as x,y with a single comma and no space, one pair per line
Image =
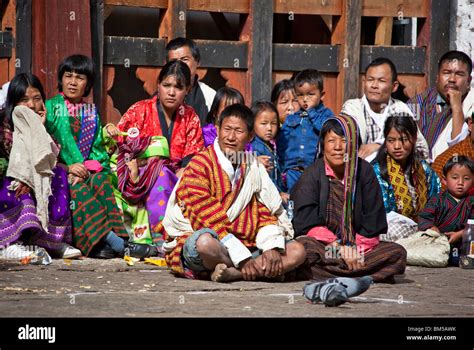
426,248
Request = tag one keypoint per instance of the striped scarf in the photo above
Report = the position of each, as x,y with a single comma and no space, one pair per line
401,190
86,113
130,149
351,133
431,123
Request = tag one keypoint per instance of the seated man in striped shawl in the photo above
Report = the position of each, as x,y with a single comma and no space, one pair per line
225,218
339,212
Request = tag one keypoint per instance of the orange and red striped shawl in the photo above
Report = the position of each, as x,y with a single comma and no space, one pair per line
205,193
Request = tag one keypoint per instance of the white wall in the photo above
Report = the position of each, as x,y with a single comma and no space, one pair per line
463,28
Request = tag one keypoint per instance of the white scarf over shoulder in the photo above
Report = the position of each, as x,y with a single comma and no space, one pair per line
32,158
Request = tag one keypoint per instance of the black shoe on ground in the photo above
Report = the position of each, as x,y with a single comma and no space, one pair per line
103,252
140,251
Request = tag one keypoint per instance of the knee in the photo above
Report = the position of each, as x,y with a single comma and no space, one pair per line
401,253
206,244
296,253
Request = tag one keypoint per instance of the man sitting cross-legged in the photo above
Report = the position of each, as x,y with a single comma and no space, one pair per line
225,218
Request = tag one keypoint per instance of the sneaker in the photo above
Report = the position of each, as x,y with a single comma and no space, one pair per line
354,286
68,252
328,292
15,252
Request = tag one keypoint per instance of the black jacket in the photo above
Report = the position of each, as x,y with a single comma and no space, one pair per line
310,197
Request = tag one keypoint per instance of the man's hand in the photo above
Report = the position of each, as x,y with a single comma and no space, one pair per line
272,263
454,236
368,149
454,97
351,257
251,270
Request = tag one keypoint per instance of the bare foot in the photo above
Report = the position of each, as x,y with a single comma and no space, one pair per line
222,273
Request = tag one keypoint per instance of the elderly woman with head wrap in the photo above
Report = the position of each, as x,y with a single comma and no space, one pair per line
339,212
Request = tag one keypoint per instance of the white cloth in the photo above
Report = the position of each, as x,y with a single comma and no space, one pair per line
32,158
257,182
444,140
3,95
355,108
208,92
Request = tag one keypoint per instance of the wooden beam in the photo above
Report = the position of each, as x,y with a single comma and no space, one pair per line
173,21
134,51
407,59
6,44
327,19
414,84
111,114
309,7
395,8
260,45
438,37
350,59
97,36
296,57
23,36
383,31
223,54
234,6
223,24
3,7
150,52
139,3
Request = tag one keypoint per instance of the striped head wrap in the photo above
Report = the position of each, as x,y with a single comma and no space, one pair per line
351,133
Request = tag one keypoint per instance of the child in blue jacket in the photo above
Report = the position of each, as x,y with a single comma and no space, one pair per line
298,139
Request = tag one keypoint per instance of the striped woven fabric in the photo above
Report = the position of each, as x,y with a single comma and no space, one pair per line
95,212
205,194
351,132
431,123
381,263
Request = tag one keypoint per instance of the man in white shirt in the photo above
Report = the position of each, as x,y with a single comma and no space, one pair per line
200,96
376,105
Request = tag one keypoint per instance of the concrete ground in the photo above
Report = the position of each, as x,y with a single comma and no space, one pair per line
111,288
